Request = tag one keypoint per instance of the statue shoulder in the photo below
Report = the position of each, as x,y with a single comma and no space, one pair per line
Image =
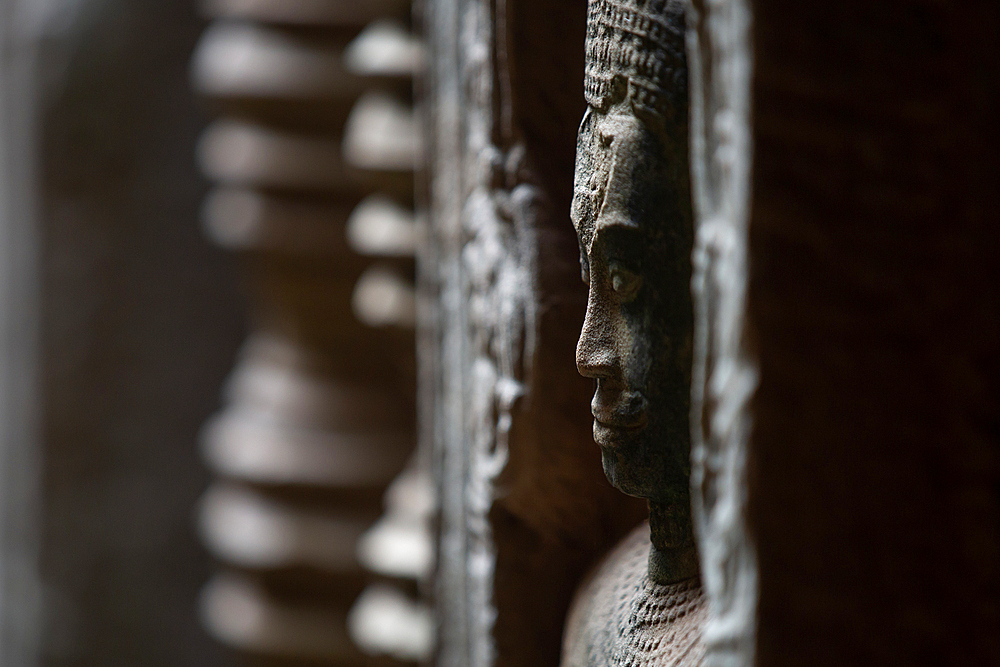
602,601
620,617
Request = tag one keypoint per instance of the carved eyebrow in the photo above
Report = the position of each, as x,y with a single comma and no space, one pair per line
620,237
606,190
624,225
610,195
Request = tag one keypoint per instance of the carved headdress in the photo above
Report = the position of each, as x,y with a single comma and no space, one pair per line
636,48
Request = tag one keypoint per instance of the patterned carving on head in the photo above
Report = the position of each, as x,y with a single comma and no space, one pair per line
636,50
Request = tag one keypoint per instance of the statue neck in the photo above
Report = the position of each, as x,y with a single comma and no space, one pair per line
673,556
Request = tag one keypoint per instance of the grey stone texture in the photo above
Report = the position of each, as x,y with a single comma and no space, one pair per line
622,618
632,213
525,509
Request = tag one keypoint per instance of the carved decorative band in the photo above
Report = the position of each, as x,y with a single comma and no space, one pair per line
663,25
643,45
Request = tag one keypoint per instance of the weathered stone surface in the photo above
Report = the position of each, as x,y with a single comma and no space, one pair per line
525,510
622,618
632,212
724,374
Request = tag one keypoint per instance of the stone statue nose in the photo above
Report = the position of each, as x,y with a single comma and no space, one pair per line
595,350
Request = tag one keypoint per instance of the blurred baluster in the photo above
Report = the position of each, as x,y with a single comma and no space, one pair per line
382,136
312,158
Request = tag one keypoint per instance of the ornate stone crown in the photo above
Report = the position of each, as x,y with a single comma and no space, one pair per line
636,48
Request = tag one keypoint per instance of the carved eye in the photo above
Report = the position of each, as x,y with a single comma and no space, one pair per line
625,283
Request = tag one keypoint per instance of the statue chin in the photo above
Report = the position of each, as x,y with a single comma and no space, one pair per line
640,471
627,474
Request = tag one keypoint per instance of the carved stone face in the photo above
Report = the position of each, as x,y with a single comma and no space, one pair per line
632,213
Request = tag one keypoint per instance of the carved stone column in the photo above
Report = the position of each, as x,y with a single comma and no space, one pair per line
725,372
847,276
525,509
312,161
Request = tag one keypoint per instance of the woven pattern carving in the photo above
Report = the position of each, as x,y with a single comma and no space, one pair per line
636,48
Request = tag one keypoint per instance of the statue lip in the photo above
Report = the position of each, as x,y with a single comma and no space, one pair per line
626,411
614,434
619,421
625,422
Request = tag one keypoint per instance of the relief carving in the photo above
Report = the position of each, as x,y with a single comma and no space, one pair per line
632,213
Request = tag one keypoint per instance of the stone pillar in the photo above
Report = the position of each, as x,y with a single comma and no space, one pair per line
847,281
117,323
312,160
725,372
21,443
525,508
